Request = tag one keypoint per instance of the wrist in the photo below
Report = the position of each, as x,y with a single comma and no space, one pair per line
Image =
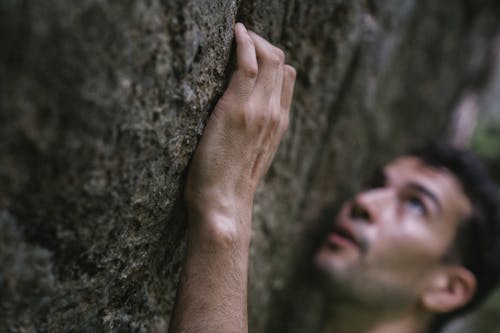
219,222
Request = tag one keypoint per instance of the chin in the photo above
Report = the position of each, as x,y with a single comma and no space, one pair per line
333,275
336,267
329,263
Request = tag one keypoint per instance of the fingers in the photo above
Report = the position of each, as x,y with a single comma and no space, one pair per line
270,61
243,79
260,70
288,82
289,75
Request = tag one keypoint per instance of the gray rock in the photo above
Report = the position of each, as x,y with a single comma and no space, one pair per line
102,104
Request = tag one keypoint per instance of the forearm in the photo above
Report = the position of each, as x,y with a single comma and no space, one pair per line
212,295
233,155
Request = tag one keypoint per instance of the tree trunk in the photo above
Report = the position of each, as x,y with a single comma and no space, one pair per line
103,102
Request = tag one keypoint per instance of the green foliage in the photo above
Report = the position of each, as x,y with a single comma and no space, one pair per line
486,141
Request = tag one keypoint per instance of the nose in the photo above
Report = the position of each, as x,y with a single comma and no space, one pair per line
359,212
367,206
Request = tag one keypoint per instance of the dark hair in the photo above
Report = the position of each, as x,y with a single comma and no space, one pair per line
477,243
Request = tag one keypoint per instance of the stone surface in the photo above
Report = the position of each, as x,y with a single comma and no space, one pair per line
101,107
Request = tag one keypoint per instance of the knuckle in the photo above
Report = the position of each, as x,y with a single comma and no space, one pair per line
274,60
250,70
275,56
279,54
274,117
261,119
240,116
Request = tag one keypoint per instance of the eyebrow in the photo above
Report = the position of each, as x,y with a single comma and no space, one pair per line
380,175
426,192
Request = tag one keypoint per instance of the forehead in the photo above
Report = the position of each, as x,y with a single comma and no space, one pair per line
440,181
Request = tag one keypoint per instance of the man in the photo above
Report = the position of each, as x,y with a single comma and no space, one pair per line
394,259
416,247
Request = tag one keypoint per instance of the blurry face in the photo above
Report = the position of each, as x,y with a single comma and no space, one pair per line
387,239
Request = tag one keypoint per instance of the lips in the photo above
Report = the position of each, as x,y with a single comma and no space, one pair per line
343,237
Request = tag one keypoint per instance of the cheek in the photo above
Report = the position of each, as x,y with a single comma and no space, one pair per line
409,249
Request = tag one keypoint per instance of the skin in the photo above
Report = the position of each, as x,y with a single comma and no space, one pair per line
391,279
235,151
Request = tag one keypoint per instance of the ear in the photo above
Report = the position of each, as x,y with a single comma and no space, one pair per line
448,289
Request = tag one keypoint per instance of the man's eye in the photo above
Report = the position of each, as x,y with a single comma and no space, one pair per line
416,205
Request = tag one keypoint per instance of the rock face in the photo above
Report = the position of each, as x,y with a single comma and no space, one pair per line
102,104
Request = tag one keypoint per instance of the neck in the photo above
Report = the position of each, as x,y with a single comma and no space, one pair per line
354,318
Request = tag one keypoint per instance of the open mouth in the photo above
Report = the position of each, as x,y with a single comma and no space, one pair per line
342,238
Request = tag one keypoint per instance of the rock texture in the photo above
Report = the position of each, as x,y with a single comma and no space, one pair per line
102,104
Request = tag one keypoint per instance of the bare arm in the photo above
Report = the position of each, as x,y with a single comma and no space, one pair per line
236,149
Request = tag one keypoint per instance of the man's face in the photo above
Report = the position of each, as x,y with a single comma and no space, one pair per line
388,238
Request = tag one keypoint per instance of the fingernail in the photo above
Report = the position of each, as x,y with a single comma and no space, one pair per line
242,26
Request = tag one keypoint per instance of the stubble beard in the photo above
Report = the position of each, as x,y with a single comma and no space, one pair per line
352,286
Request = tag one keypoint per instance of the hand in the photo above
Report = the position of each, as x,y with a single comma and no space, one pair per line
244,130
234,153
